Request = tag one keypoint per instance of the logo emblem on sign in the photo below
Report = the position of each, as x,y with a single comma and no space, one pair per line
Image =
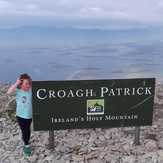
95,107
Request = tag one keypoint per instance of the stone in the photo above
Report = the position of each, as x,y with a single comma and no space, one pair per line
151,145
76,158
160,154
160,143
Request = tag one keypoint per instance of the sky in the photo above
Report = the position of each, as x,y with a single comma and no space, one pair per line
100,14
29,24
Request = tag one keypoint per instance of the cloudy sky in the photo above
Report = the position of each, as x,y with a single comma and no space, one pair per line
82,13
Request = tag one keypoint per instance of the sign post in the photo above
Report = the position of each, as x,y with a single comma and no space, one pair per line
51,139
137,136
73,104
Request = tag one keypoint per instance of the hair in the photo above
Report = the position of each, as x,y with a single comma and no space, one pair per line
23,77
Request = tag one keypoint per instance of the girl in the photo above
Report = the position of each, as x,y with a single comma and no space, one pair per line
23,89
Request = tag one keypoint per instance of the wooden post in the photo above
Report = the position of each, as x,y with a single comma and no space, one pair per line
137,136
51,139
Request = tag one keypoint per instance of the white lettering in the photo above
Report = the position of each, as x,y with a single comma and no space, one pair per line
138,90
61,93
104,90
148,91
38,94
79,93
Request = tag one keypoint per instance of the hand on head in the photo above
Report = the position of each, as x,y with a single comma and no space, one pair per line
18,81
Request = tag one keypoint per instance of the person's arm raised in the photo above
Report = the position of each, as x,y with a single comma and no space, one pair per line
13,86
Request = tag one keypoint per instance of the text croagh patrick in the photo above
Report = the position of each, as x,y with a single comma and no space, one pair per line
104,91
92,103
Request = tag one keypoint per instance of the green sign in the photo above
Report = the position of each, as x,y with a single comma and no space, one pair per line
92,103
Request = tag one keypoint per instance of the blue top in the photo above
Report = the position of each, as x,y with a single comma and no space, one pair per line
24,103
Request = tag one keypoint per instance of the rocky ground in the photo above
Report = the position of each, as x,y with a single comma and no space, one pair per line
113,145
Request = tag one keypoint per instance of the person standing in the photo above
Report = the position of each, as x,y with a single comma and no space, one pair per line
23,88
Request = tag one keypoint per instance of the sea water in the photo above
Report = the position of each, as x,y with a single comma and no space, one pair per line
86,61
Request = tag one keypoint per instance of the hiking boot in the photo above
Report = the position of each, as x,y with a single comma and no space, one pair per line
26,150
